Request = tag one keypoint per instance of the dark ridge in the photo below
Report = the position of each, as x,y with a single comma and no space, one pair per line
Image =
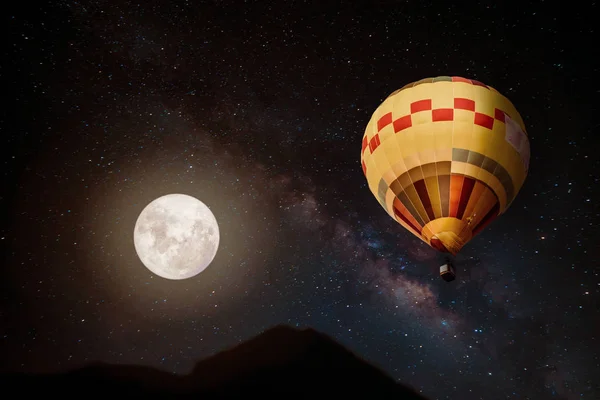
282,362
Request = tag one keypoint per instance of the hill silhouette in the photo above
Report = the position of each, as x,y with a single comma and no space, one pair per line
282,362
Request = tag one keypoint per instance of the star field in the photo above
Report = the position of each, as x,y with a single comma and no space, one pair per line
258,110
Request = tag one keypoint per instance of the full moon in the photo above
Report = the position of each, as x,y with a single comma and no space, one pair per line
176,236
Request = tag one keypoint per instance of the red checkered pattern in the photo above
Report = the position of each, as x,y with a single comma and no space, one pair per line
484,120
402,123
374,143
384,121
421,105
464,104
442,114
439,114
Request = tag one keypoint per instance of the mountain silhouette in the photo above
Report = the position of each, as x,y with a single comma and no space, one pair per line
282,362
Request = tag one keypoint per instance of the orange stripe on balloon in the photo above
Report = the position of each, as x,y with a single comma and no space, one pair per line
455,190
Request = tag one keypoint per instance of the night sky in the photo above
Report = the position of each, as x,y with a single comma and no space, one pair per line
258,109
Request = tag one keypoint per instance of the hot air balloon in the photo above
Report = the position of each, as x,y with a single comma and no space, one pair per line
444,157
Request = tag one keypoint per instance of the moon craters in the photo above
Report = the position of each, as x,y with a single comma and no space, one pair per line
176,236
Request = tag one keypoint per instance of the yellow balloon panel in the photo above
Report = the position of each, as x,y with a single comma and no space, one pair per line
444,156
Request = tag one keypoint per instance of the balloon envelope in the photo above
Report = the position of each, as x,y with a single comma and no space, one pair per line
444,157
